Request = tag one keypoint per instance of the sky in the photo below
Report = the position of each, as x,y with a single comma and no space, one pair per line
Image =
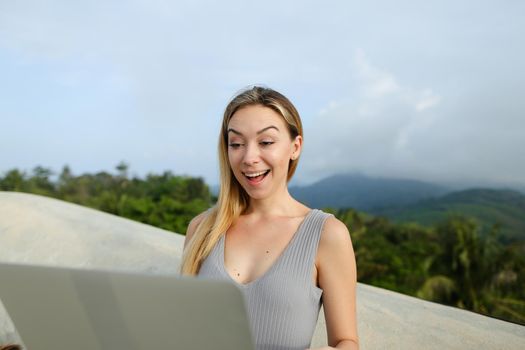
427,90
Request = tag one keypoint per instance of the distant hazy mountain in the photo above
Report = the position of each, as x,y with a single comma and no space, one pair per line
364,193
487,206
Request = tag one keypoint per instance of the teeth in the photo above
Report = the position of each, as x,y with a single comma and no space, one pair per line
255,174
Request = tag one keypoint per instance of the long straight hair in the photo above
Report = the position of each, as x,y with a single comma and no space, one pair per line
233,199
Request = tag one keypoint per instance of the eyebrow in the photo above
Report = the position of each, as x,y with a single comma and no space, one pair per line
258,132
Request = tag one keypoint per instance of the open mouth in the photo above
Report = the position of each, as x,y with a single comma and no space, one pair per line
257,179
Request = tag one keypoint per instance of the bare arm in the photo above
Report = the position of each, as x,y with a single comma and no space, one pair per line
338,279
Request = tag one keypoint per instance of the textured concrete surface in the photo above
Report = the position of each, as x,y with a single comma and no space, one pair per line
40,230
46,231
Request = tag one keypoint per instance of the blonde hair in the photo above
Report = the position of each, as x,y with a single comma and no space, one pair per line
233,199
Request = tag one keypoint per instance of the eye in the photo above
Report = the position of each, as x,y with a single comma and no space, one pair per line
267,143
234,145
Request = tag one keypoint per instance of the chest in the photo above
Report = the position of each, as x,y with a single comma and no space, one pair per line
252,248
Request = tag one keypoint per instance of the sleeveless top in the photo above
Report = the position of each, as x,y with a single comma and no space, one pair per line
283,304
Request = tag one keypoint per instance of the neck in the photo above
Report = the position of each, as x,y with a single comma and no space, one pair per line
279,204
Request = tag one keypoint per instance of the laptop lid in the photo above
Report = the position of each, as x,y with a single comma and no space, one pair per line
66,308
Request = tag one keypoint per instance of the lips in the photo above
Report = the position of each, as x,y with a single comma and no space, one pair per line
256,179
255,172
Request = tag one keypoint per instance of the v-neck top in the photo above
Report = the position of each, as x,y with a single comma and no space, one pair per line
282,304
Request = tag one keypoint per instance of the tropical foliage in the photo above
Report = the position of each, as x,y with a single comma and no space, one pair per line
449,263
487,206
166,201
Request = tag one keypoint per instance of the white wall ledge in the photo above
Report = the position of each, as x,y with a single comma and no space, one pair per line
46,231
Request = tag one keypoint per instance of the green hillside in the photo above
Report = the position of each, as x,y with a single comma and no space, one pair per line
505,208
363,192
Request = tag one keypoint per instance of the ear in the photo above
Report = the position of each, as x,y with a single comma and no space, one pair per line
297,145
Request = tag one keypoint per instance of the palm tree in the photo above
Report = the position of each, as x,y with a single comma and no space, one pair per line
461,269
472,271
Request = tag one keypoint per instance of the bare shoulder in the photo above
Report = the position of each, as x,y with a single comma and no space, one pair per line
334,233
193,225
335,241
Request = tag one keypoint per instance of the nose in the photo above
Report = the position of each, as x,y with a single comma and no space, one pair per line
251,154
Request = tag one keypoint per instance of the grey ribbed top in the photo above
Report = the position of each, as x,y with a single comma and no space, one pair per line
283,304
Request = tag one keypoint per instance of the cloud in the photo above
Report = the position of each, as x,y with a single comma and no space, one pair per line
390,129
427,100
372,131
377,82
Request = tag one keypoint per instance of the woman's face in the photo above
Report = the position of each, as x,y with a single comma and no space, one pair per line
259,143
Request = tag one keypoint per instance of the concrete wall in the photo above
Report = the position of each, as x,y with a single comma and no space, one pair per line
46,231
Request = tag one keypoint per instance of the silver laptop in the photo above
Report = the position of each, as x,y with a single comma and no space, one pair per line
63,308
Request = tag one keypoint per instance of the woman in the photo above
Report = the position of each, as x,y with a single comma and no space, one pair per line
286,258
